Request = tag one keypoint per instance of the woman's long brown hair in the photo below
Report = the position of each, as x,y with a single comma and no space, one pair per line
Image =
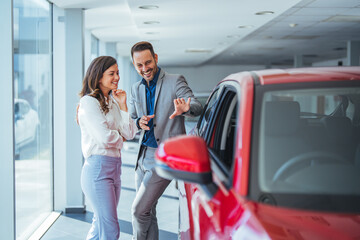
90,85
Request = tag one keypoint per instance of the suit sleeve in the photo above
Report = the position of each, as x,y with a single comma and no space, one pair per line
184,91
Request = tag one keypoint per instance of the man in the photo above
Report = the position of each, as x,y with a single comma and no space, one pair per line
158,105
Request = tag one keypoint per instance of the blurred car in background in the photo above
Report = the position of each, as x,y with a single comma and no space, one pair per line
26,124
275,155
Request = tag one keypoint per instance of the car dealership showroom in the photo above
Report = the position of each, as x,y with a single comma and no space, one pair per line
273,154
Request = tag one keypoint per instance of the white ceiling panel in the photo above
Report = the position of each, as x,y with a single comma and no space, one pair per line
195,32
85,3
117,15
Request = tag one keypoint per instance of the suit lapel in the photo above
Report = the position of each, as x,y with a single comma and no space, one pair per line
142,94
158,87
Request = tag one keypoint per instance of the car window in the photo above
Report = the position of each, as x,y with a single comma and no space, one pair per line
208,110
308,146
219,131
223,132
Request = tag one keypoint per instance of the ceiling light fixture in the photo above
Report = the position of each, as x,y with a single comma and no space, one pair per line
149,7
343,18
246,26
264,13
310,55
151,22
197,50
232,36
151,33
339,49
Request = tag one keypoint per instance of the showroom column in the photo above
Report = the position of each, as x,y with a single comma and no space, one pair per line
353,53
68,74
107,49
7,181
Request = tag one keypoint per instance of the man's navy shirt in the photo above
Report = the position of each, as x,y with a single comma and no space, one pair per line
149,137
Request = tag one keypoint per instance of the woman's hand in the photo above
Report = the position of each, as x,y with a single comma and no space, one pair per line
120,97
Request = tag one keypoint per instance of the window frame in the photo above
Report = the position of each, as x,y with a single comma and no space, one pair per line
218,167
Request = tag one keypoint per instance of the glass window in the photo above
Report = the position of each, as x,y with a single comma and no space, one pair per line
308,147
32,114
208,110
94,47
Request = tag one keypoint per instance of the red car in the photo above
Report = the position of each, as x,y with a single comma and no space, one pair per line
275,155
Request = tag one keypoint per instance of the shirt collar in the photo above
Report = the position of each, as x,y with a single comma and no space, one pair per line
155,79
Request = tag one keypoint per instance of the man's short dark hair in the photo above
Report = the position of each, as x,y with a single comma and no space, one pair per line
141,46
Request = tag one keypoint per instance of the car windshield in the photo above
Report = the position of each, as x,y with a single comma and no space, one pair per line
308,147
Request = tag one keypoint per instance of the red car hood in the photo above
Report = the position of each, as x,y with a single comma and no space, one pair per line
281,223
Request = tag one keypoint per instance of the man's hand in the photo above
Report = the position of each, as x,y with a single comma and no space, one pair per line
180,107
144,121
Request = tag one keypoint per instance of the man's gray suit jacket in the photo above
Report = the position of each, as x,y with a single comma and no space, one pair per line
168,88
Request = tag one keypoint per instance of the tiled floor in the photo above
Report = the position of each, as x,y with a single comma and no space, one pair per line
76,226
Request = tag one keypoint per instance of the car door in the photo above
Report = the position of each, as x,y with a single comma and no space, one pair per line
20,124
213,210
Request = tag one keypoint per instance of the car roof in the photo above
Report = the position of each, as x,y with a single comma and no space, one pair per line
291,75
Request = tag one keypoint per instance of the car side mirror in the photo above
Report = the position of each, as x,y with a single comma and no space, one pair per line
185,158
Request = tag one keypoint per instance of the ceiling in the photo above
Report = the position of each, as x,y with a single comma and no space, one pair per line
232,32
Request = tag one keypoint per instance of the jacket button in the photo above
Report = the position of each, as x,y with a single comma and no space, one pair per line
157,139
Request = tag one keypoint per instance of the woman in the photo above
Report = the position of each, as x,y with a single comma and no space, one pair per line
105,123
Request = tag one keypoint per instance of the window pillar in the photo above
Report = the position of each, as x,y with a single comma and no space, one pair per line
7,181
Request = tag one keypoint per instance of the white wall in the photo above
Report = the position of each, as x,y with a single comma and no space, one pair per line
330,63
128,74
203,79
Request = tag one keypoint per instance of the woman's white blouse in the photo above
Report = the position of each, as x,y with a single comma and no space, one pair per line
101,134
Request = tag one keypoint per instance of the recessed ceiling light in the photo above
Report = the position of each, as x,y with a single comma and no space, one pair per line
293,25
265,13
149,7
339,49
246,26
232,36
310,55
151,22
197,50
300,37
152,33
343,18
271,48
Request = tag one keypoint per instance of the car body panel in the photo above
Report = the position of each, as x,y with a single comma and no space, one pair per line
277,76
26,123
229,212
